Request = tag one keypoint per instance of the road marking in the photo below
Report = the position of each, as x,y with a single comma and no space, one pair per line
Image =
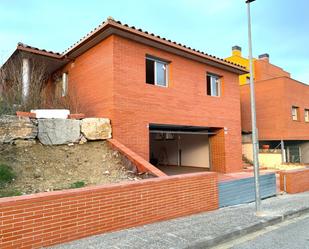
252,236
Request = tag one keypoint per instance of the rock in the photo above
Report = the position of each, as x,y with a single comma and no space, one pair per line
37,173
24,143
106,172
13,127
96,128
58,131
82,140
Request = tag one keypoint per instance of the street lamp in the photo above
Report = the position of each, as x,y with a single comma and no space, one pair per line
253,119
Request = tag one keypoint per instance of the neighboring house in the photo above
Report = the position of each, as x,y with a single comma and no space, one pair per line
171,104
282,108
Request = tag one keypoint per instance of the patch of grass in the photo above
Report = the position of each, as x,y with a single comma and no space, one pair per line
6,174
9,193
78,184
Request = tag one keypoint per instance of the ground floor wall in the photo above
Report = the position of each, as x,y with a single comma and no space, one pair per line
304,148
224,146
266,159
294,152
247,151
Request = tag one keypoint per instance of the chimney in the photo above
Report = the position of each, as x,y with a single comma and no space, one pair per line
236,50
264,57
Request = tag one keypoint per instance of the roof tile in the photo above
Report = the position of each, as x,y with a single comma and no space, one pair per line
112,21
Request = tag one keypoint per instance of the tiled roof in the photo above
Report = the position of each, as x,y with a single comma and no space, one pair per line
23,46
117,24
113,22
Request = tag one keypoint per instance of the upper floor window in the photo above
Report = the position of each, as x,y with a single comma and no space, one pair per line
295,113
306,115
156,72
213,85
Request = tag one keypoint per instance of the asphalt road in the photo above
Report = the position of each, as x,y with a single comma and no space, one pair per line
290,235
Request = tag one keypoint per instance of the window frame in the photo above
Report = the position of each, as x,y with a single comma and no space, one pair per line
158,60
218,84
296,108
306,117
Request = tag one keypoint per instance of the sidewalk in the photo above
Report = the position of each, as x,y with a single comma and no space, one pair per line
199,231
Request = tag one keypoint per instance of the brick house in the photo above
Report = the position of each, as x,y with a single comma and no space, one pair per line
171,104
282,108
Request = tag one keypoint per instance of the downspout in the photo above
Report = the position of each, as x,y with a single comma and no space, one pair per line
25,79
283,156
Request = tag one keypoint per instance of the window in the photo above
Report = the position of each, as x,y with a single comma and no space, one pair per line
213,85
64,89
156,72
306,115
295,113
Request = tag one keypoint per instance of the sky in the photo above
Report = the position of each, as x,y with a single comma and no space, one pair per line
279,27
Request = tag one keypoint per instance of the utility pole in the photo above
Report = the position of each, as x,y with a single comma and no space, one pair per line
253,119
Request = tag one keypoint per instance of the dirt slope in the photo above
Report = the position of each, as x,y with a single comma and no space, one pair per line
45,168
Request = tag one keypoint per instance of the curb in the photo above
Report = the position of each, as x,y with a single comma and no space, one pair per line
239,232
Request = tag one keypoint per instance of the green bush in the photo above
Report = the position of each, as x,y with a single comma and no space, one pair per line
7,109
9,193
78,184
6,174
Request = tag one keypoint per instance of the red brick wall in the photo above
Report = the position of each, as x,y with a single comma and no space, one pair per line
110,82
263,70
184,102
274,100
45,219
90,78
296,181
269,112
217,151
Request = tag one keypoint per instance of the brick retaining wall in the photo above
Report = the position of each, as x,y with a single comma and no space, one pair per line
141,164
294,181
51,218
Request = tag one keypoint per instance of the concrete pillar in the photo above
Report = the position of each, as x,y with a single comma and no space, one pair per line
25,78
283,152
64,90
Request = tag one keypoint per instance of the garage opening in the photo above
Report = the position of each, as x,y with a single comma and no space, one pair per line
178,149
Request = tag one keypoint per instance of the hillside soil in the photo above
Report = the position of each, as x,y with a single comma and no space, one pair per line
42,168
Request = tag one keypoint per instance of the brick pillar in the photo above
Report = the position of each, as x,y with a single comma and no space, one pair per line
217,151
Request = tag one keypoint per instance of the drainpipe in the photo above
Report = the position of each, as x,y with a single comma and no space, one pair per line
25,78
283,156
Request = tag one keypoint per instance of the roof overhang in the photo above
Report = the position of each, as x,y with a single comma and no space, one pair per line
114,28
111,27
51,61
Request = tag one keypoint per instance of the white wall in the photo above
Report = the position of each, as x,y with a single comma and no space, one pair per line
194,150
270,160
247,151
